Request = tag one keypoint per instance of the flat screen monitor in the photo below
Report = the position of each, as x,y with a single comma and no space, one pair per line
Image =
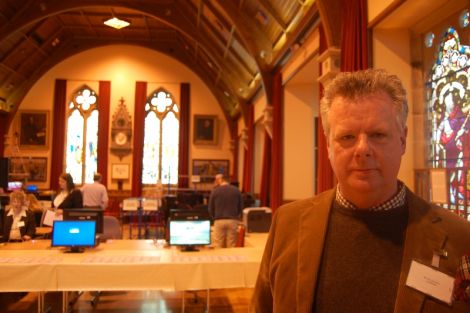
86,214
189,234
75,235
15,185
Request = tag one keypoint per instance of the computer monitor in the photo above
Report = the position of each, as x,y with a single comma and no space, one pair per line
190,233
15,185
86,214
75,235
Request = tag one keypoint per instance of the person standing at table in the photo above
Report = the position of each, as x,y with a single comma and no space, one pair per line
225,207
359,246
95,194
19,223
68,196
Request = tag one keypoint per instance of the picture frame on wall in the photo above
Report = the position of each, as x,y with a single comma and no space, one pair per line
120,171
205,130
34,169
33,129
207,169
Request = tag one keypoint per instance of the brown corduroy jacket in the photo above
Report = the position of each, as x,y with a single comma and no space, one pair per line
289,268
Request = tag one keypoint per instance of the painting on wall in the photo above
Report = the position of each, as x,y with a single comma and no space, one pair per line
33,169
205,129
33,129
207,169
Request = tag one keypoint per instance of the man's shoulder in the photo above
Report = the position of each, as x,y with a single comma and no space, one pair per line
324,198
444,218
451,220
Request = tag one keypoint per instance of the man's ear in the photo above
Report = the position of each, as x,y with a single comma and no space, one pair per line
403,139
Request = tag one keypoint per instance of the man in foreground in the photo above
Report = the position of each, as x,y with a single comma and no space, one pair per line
353,248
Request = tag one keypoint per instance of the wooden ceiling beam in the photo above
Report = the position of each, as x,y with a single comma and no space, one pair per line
268,7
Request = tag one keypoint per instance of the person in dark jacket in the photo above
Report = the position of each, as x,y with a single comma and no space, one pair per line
19,223
68,197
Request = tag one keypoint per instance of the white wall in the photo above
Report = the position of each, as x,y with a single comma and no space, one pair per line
123,65
300,109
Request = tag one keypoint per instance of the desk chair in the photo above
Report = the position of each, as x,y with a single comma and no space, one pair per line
43,231
111,228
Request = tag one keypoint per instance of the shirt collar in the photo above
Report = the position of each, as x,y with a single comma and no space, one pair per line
396,201
22,213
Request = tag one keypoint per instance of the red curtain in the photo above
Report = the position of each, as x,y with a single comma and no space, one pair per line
249,152
3,131
264,195
58,129
138,144
183,153
104,104
354,47
277,140
234,176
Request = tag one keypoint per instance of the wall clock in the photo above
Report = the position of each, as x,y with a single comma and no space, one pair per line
121,131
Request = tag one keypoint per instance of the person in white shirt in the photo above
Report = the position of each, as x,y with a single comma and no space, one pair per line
95,194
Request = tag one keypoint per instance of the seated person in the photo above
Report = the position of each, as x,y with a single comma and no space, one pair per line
19,223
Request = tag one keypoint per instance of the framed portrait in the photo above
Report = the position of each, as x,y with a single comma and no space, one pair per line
205,129
34,169
33,129
205,170
120,171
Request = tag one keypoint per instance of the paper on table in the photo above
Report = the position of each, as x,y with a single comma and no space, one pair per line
50,216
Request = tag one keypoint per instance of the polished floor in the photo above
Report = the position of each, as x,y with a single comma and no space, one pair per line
221,301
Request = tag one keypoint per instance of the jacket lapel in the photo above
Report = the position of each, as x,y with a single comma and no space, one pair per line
423,238
310,248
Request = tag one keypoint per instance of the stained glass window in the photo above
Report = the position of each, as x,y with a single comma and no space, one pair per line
82,136
448,115
161,139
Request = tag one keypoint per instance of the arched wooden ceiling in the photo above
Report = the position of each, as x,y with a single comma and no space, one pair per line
233,45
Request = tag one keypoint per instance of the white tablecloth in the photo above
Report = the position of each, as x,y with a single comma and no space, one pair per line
128,265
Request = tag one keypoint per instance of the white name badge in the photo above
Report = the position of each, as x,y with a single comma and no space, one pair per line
20,224
431,282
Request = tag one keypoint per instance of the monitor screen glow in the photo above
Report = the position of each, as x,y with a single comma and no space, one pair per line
190,232
73,234
15,185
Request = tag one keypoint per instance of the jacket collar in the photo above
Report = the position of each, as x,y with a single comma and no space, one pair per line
12,213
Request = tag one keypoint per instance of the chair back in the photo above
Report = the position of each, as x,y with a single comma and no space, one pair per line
111,228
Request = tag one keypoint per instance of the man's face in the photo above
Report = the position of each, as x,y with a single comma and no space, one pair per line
365,146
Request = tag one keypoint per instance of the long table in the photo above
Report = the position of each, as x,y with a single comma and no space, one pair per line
128,265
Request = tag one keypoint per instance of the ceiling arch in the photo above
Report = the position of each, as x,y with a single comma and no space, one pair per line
232,45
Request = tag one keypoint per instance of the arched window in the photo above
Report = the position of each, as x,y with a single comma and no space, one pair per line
82,136
161,139
448,113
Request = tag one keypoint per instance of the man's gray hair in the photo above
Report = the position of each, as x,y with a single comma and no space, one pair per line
355,85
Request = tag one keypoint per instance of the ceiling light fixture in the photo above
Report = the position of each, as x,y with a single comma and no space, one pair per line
116,23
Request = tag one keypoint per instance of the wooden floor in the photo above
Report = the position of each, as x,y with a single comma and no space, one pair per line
221,300
224,300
